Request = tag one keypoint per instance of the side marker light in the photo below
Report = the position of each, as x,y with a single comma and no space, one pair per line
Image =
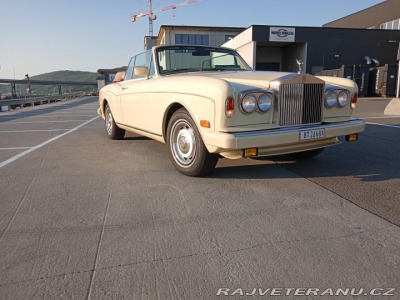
205,124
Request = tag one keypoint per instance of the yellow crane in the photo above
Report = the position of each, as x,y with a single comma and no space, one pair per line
151,13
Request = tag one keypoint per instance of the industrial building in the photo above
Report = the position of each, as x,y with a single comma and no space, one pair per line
276,48
385,15
279,48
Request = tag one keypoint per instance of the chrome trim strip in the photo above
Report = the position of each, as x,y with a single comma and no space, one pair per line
296,129
252,91
135,128
274,84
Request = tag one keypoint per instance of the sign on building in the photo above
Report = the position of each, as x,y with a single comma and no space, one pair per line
282,34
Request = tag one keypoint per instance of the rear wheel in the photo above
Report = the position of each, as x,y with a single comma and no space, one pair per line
113,131
186,148
306,154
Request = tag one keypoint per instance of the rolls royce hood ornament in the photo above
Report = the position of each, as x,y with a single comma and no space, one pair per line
299,63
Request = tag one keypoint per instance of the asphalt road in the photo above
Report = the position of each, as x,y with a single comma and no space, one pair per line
83,217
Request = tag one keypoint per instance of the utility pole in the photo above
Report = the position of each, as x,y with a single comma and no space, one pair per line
28,88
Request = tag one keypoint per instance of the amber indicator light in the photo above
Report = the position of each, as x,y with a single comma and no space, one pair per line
352,137
205,124
250,152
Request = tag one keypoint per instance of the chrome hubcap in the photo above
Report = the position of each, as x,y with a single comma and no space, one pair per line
183,143
109,121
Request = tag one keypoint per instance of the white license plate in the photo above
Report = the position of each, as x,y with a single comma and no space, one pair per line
312,134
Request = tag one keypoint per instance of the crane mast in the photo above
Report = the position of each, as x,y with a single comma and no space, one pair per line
151,14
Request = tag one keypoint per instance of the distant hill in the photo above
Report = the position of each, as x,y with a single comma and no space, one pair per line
78,76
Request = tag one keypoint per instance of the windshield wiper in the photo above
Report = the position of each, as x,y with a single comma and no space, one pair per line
174,71
228,69
223,69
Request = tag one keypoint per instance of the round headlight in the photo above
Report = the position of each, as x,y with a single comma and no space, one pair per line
343,98
330,99
249,103
264,102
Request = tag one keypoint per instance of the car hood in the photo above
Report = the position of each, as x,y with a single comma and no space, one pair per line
261,79
247,78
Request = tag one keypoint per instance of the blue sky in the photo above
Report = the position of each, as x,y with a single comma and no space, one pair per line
49,35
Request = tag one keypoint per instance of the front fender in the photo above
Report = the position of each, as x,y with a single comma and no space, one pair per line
110,94
199,108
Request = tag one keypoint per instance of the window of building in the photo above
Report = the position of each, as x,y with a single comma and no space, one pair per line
192,39
395,24
228,37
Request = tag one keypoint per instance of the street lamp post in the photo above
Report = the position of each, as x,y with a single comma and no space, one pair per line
28,89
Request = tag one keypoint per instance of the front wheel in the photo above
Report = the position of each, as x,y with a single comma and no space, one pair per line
186,148
113,131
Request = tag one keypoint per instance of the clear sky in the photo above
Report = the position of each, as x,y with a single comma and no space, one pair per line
42,36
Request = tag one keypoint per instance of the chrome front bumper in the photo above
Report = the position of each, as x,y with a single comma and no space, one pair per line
279,141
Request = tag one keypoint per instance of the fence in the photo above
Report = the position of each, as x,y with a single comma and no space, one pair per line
6,105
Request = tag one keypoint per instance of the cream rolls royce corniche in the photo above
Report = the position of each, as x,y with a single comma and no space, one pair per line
206,102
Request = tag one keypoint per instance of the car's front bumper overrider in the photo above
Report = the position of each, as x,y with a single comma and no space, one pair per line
279,141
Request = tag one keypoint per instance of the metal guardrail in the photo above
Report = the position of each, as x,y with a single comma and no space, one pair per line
48,82
7,104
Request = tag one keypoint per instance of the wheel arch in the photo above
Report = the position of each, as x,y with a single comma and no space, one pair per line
167,116
204,110
103,106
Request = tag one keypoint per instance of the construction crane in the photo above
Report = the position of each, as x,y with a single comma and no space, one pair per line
151,12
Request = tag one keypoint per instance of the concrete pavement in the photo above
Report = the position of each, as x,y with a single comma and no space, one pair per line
86,217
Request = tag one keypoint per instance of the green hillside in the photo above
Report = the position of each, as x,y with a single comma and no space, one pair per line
78,76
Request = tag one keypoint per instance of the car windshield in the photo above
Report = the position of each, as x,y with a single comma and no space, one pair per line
178,59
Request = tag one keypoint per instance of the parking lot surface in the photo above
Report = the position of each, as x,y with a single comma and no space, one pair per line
85,217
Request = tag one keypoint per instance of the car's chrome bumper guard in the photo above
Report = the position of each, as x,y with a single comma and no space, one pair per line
283,137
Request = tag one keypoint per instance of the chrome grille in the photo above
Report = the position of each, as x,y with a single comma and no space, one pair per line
301,103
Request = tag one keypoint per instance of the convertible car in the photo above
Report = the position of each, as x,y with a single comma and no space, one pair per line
206,103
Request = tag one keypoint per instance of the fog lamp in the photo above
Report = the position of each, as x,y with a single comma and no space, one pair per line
249,152
352,137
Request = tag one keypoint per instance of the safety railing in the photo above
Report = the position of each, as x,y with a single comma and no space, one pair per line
8,104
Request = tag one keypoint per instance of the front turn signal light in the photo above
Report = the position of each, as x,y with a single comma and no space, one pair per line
352,137
250,152
229,107
205,124
354,101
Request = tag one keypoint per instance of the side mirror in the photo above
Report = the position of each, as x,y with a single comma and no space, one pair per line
120,76
141,71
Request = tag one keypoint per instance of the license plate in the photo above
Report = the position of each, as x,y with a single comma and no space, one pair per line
312,134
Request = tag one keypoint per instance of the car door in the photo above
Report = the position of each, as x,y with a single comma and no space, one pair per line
134,94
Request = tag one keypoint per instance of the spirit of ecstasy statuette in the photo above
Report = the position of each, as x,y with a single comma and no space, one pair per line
299,63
